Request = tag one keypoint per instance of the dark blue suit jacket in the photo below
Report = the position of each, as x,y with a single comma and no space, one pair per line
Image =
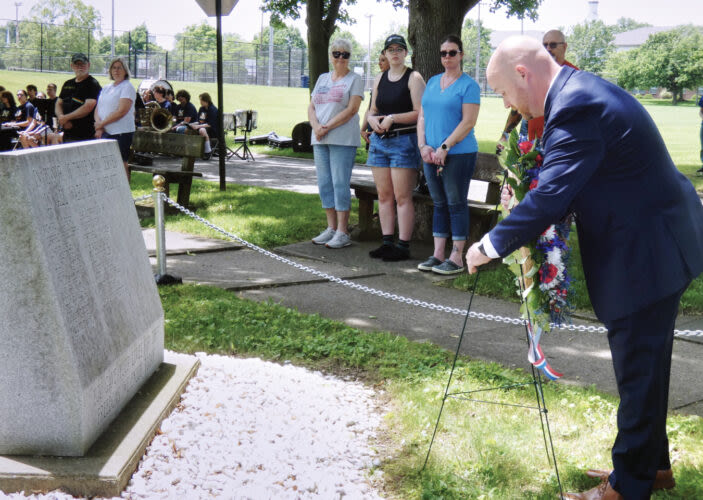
639,220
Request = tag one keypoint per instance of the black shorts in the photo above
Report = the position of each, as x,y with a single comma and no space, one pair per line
124,141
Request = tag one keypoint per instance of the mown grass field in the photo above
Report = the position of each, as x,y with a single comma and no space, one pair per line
280,108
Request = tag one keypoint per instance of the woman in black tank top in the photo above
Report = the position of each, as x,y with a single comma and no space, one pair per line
393,153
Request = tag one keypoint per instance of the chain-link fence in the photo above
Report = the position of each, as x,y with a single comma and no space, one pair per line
44,47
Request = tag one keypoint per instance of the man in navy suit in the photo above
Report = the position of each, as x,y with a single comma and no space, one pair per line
640,229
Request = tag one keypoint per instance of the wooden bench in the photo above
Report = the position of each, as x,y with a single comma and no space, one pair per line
187,146
483,214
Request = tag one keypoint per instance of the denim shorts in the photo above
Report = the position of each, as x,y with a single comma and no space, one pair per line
124,141
395,152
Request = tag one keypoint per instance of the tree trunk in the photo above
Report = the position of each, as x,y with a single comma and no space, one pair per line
320,31
429,21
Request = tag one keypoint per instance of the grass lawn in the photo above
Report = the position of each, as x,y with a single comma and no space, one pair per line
280,108
263,216
481,451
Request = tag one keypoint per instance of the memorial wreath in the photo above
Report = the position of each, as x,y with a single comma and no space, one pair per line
540,267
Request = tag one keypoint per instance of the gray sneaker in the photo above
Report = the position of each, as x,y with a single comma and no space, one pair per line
339,240
429,264
324,236
447,268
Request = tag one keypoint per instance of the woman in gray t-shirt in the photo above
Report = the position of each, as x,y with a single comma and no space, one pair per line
333,115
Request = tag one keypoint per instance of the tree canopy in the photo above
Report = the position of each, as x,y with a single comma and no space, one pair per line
67,25
284,35
627,24
591,45
670,59
469,35
321,18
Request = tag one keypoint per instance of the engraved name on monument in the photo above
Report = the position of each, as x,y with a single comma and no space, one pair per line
81,324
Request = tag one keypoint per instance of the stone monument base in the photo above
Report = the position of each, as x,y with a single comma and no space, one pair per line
109,464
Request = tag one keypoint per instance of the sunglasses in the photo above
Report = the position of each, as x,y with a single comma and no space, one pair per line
337,54
450,53
552,45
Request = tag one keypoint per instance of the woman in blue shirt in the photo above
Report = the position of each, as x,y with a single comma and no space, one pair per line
445,136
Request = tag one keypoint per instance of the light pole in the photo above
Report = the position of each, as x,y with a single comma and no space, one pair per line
112,39
17,22
478,42
368,74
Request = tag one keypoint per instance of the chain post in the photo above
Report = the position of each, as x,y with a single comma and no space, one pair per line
159,193
159,187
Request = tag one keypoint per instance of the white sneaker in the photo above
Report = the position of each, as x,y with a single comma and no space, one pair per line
324,236
339,240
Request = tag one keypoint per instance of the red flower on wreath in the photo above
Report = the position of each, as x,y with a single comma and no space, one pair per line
538,160
548,272
525,147
533,184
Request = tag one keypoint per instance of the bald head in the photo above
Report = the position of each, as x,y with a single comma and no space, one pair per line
521,71
555,43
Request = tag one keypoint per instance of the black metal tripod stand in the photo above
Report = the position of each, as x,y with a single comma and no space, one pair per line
541,406
246,153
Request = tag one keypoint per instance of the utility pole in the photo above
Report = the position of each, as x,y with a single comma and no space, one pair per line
368,78
17,22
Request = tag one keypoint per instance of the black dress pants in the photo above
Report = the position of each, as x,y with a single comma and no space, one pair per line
641,346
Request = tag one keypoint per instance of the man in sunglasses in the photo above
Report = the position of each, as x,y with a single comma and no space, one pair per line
555,43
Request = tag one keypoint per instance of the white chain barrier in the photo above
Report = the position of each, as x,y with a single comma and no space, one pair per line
393,296
142,198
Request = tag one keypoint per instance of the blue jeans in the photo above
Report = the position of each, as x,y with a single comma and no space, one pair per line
701,143
334,166
449,192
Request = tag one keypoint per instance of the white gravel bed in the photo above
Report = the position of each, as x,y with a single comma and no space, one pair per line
250,429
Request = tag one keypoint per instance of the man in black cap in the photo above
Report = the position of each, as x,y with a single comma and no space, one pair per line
74,107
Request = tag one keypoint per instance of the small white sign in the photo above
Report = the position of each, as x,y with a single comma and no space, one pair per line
208,7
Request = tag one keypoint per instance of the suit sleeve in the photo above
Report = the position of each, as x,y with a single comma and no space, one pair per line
574,150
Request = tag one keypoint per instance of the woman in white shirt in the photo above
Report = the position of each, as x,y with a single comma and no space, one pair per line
114,112
333,115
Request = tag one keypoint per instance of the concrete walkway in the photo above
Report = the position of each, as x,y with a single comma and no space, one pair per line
583,357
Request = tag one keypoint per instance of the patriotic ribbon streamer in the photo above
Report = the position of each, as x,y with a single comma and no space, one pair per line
536,356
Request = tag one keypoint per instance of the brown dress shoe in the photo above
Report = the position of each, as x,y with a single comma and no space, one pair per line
664,480
601,492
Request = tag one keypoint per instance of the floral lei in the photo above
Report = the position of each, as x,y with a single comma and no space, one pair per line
546,302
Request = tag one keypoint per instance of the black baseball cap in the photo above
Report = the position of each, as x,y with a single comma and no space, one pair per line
395,40
79,57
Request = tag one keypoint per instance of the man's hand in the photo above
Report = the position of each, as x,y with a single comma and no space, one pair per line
63,121
365,135
475,258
